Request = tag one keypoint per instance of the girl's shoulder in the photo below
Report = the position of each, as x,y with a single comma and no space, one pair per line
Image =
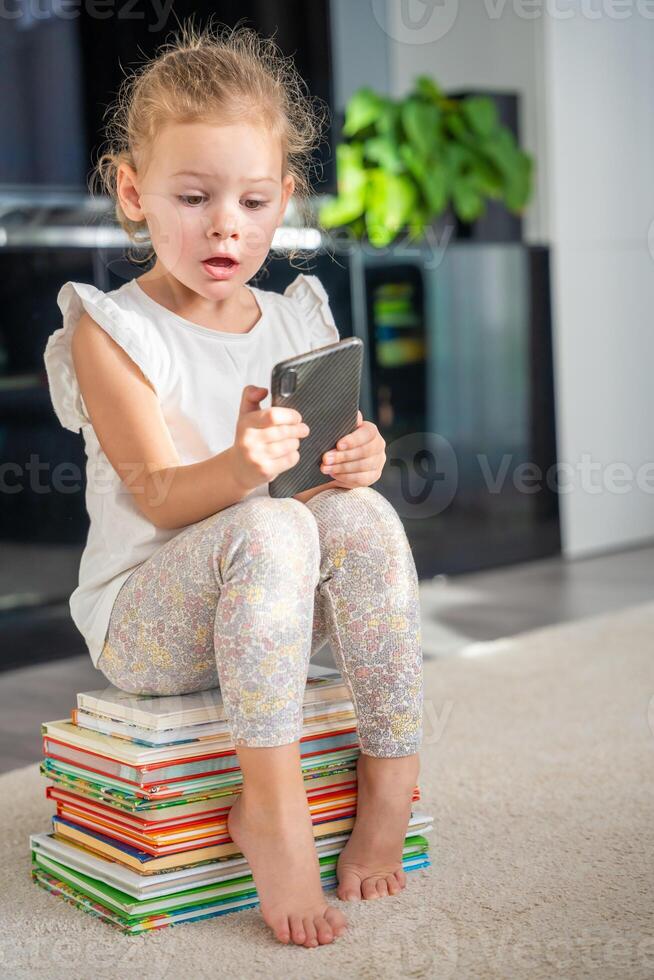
306,299
117,314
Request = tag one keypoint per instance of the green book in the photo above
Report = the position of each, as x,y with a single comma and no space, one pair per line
133,916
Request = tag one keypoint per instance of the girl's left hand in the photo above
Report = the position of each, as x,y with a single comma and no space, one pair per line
359,457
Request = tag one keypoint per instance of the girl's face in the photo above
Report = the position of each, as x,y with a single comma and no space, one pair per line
209,189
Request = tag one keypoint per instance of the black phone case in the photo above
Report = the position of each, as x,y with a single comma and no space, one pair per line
326,394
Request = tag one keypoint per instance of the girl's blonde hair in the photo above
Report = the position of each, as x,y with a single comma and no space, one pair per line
228,76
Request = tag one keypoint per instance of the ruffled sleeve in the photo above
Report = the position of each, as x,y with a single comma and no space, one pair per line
310,295
73,299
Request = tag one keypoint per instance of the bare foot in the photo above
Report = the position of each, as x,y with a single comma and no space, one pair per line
370,864
279,845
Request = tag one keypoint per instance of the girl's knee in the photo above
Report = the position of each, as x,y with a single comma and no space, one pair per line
273,528
377,504
362,507
283,516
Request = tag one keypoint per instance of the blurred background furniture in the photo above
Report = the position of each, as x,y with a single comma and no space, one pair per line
515,346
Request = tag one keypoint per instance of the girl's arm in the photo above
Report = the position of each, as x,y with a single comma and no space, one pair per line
127,419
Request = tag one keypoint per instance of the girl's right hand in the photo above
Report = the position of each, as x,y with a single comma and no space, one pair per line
267,439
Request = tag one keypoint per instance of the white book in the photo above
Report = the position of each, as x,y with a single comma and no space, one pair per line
324,684
166,882
130,753
341,710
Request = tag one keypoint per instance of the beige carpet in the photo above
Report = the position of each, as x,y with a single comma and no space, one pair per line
537,764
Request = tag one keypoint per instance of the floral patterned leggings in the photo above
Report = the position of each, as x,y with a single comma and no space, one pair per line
242,600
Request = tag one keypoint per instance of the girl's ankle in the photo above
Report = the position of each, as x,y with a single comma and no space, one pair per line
391,775
264,804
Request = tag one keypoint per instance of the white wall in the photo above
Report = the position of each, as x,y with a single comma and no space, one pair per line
474,44
599,85
585,73
359,48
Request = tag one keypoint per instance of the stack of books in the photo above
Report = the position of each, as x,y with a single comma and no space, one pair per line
143,786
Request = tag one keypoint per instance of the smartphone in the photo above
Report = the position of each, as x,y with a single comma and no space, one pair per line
324,386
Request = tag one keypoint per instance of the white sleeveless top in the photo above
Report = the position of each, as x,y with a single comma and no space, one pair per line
198,374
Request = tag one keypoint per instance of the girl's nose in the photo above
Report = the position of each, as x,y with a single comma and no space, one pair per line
223,224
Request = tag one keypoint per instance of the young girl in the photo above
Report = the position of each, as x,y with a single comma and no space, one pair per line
192,575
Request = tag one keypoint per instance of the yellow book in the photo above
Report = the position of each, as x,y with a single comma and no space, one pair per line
133,754
147,864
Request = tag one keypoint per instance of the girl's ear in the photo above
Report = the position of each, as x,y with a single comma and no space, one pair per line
288,186
128,193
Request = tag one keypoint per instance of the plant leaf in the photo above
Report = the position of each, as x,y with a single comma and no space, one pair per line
518,188
481,113
428,88
351,177
421,123
455,124
488,179
415,164
436,184
384,151
390,201
501,150
351,181
468,202
388,120
339,211
417,223
363,109
457,158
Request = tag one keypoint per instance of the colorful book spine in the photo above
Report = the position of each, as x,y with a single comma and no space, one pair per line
140,836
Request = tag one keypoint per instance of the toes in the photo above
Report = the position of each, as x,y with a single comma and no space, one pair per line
309,931
323,928
349,887
281,929
369,888
382,888
393,885
297,929
401,878
349,894
337,921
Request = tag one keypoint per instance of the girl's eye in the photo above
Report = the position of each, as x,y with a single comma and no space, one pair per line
186,198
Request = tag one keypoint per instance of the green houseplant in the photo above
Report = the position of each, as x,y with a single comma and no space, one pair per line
404,162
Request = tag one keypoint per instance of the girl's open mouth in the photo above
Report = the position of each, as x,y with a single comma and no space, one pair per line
220,268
